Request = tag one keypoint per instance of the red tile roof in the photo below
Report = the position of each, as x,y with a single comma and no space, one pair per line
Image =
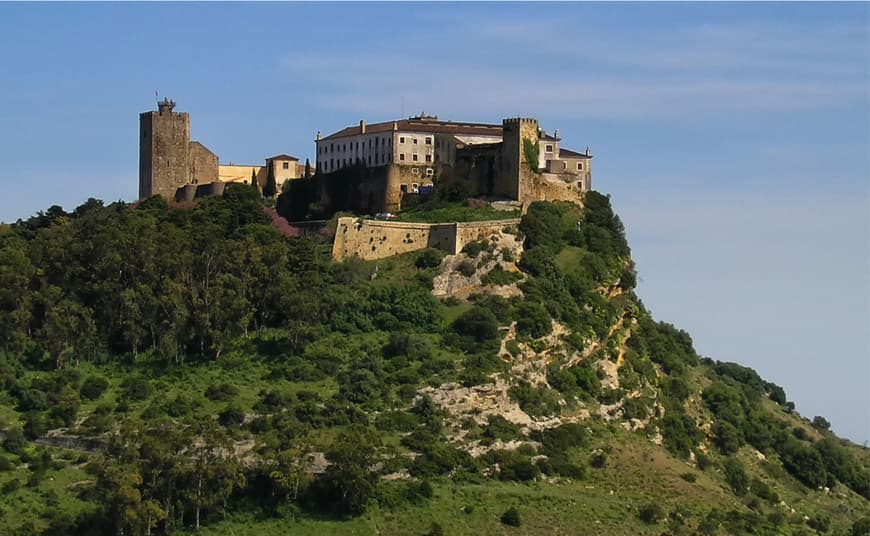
567,153
433,126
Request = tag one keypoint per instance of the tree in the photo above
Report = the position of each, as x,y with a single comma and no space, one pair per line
271,187
821,424
511,517
350,481
254,184
307,169
213,471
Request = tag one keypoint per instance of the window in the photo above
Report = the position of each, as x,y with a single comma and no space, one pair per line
415,171
285,165
564,166
401,139
428,141
404,188
579,166
376,141
370,158
414,157
331,148
376,158
430,172
402,157
549,148
415,141
428,157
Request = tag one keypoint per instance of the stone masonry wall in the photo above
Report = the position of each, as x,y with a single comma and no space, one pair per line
374,239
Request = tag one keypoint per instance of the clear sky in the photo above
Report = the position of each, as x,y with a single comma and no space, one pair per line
733,137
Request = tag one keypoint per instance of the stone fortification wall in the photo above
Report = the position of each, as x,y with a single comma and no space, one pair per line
374,239
468,232
553,187
203,164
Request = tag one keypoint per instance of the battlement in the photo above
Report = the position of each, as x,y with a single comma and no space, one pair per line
519,121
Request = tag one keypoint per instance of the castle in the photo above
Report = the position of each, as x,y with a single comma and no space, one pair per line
516,161
500,161
176,168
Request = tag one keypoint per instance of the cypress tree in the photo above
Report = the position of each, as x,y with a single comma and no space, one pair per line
254,179
271,187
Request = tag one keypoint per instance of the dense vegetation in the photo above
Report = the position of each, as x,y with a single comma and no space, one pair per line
171,368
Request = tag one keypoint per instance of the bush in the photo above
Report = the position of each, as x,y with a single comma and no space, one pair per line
861,527
136,388
498,277
478,323
429,258
93,387
689,477
15,442
466,268
651,513
222,392
232,416
511,517
735,476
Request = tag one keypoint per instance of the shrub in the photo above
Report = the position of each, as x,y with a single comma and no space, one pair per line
466,268
93,387
221,392
511,517
497,276
136,388
429,258
478,323
689,477
5,464
820,523
232,416
651,513
861,527
15,442
735,476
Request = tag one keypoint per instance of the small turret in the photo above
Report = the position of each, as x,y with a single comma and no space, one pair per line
166,105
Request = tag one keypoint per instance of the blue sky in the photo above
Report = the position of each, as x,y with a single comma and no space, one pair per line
733,137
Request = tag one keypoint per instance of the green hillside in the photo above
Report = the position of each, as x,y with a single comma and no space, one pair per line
202,369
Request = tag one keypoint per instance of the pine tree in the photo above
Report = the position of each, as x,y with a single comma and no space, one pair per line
271,187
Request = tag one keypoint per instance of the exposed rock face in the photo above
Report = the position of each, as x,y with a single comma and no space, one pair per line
452,282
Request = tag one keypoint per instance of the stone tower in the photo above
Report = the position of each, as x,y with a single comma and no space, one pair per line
516,173
164,147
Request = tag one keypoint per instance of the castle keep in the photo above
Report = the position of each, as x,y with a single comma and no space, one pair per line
178,169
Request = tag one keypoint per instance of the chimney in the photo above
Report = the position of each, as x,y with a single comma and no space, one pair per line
318,136
362,126
587,150
395,126
556,134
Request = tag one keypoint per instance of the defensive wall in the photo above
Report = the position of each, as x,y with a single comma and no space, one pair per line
376,239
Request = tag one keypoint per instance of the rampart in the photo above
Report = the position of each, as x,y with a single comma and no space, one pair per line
375,239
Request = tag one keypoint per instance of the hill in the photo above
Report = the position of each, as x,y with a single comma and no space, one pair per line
200,368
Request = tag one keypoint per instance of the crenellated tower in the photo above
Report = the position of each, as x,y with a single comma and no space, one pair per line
164,148
520,144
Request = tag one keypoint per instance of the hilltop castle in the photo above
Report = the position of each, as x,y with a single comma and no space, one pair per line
176,168
516,160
